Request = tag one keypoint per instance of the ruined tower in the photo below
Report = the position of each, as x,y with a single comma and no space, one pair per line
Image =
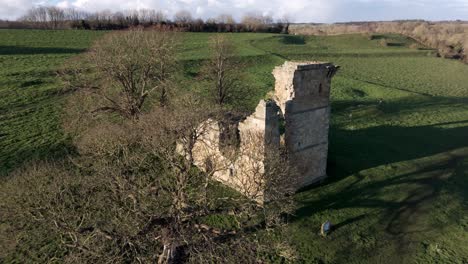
302,91
302,100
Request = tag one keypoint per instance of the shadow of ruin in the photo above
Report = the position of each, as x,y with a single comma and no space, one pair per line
295,122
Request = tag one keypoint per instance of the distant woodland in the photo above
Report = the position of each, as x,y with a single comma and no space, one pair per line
70,18
449,38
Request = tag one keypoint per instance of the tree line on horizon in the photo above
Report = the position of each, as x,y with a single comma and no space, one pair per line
450,38
51,17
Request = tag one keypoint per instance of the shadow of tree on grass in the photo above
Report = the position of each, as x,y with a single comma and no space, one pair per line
397,171
22,50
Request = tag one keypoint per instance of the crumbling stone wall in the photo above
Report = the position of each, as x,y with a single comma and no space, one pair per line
302,99
242,169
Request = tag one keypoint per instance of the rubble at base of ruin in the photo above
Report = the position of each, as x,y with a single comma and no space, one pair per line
296,119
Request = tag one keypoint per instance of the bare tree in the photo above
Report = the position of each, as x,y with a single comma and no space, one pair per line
149,16
183,18
157,16
72,14
127,68
251,22
284,22
222,69
129,196
225,19
264,175
52,17
36,15
56,16
225,22
268,179
41,15
256,22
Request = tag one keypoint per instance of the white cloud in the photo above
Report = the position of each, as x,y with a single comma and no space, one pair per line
300,10
10,9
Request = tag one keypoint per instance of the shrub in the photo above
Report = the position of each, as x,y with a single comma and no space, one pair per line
126,68
383,42
414,46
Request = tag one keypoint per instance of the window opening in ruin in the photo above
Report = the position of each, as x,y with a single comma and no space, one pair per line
229,138
231,170
282,125
282,130
208,165
320,89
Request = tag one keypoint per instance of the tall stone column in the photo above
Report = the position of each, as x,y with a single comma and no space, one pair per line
302,91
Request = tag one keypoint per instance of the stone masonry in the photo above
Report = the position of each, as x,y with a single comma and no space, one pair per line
301,103
302,91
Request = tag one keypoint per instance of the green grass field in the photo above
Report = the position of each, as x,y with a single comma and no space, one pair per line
397,190
29,104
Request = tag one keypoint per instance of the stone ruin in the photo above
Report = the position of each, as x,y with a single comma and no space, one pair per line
296,120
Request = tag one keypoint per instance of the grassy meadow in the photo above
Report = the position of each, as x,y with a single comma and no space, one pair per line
397,190
29,100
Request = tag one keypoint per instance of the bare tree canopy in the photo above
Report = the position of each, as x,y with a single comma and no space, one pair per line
257,22
225,19
222,70
128,67
129,197
52,17
183,17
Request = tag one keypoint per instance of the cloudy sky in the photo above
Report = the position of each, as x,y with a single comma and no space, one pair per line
299,10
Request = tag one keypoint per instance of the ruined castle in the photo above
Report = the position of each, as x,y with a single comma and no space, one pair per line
296,119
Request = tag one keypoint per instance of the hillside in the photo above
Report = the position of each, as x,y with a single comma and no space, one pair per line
398,161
